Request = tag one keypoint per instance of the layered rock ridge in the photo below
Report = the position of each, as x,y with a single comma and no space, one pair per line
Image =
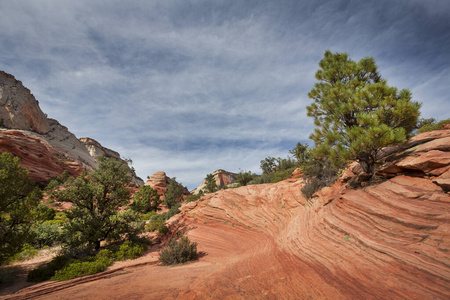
45,147
389,240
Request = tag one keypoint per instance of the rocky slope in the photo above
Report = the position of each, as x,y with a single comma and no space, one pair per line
45,146
223,179
387,240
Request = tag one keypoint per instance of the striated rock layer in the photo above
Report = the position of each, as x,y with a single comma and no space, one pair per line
388,240
46,147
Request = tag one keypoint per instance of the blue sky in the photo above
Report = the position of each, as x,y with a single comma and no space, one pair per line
188,87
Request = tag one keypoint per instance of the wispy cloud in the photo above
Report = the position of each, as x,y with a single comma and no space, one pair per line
192,86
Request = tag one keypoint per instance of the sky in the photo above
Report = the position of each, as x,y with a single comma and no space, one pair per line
191,86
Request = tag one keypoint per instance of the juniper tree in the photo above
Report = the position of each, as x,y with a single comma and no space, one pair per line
97,199
211,185
18,198
356,112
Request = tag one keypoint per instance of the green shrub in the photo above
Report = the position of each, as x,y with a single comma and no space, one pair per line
155,224
45,234
191,198
148,215
178,251
318,173
27,252
432,125
45,272
130,250
79,268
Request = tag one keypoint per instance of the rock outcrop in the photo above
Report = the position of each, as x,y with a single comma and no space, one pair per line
223,179
18,108
159,181
46,147
96,150
42,160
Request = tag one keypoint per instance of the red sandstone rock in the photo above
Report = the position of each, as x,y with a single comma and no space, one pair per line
158,179
297,173
426,162
40,158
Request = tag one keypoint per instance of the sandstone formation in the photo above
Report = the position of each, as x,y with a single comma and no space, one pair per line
38,156
45,146
158,179
18,108
223,179
389,240
96,150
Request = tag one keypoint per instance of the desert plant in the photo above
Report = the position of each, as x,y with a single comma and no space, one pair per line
174,193
130,250
78,268
178,251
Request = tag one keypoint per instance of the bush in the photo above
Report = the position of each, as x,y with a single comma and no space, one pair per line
176,252
63,268
79,268
432,125
27,252
145,200
318,173
191,198
45,272
45,234
130,250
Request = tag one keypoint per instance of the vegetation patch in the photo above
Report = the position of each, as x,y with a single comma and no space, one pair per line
62,268
178,251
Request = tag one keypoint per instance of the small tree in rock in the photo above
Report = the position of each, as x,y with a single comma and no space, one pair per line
211,185
174,193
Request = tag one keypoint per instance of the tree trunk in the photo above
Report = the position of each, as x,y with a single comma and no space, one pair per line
97,245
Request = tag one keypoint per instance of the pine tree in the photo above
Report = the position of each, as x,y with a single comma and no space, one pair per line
356,112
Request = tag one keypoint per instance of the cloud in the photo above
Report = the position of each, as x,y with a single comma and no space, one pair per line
192,86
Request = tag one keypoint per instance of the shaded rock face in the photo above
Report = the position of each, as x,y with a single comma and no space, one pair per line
45,146
96,150
223,178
